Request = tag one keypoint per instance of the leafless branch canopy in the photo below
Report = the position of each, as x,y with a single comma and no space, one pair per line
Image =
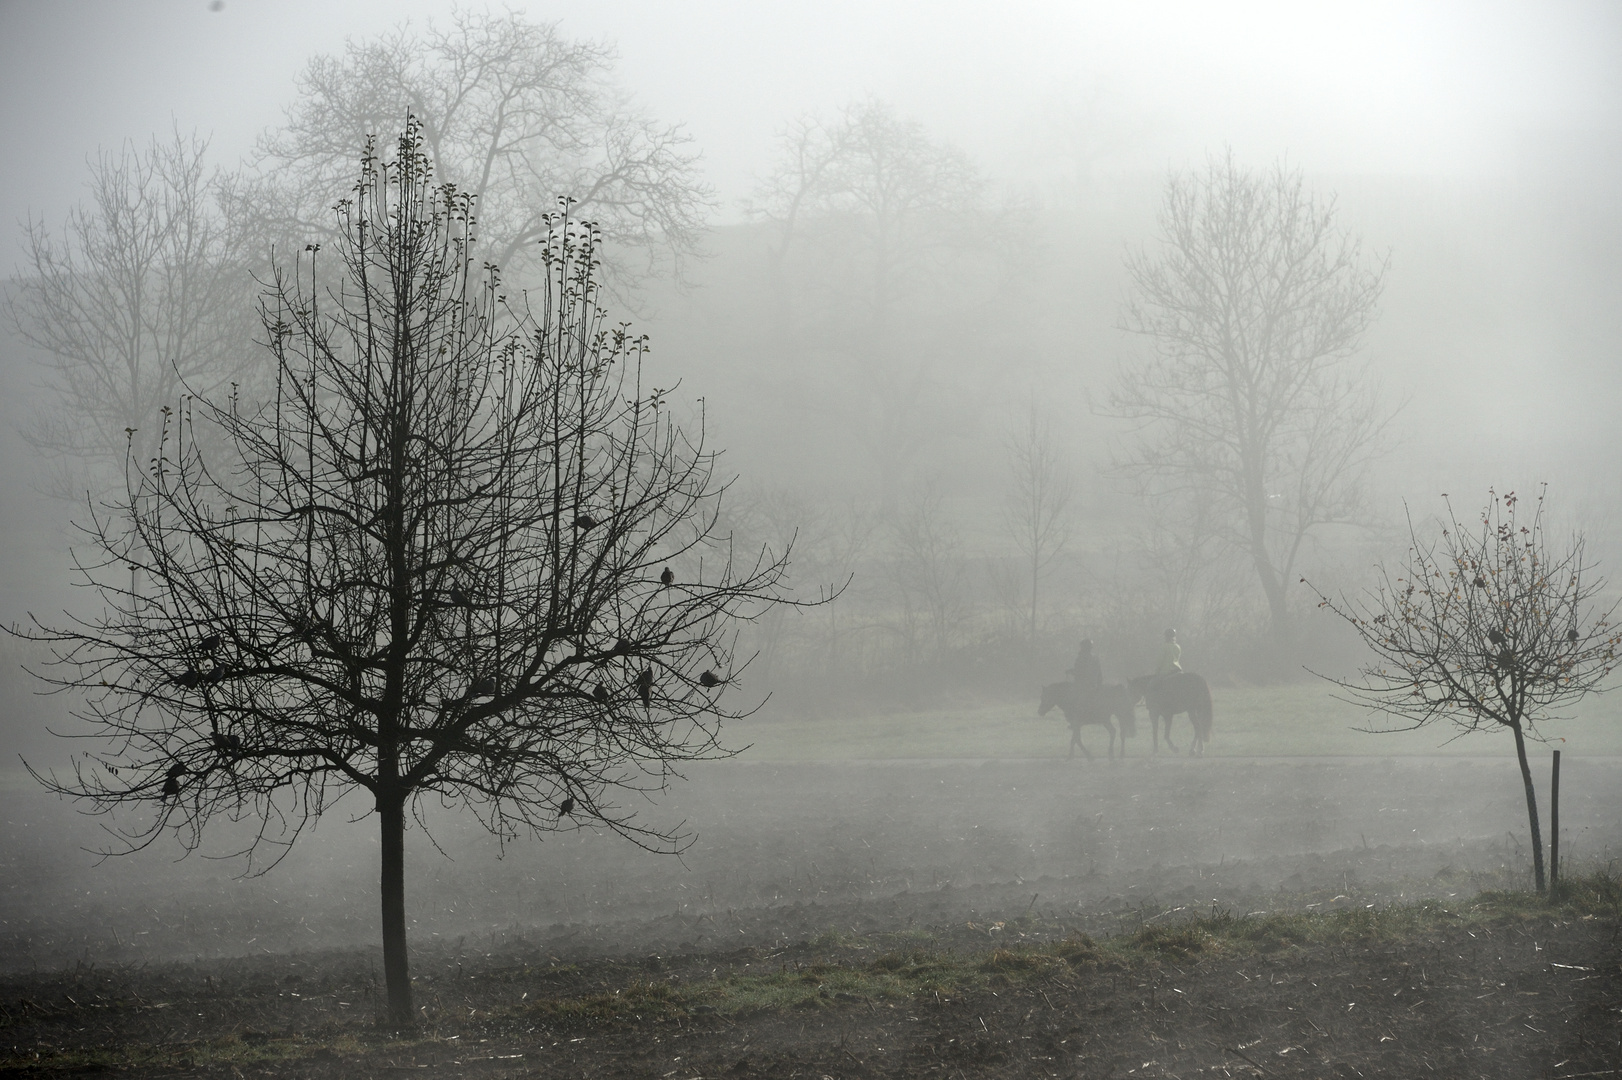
1488,626
463,551
146,290
513,113
1255,302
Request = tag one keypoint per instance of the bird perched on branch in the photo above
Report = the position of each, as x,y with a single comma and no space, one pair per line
644,686
209,644
460,598
600,695
484,686
171,780
566,806
585,522
1496,636
191,678
1571,635
667,577
709,678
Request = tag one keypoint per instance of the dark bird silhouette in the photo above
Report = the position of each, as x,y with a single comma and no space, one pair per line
566,806
600,695
644,686
1571,635
171,788
621,645
190,678
667,577
460,598
215,674
584,522
209,644
176,771
225,743
1496,636
709,678
484,687
1480,582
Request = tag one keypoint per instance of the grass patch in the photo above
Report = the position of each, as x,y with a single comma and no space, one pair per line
919,970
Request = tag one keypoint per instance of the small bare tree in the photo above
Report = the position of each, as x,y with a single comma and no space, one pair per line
146,289
438,563
1255,304
1488,627
513,113
927,571
1037,507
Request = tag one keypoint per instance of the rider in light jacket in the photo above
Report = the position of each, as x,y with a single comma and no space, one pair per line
1171,654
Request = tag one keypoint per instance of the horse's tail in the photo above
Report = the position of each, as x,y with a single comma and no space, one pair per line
1201,713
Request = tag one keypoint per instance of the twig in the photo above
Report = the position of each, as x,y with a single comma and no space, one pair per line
1247,1057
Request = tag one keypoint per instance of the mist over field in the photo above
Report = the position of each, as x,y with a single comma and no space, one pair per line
638,470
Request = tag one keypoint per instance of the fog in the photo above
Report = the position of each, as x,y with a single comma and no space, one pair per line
872,398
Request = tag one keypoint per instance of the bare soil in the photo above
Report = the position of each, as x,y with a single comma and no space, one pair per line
148,967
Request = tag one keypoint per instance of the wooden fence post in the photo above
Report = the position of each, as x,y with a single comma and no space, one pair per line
1554,823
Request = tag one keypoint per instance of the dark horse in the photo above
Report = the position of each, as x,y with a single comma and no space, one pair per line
1113,701
1167,695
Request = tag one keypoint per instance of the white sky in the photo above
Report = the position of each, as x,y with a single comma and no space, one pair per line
1459,89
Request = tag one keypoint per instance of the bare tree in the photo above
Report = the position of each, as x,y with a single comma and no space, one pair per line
927,571
1256,302
513,113
1037,506
875,215
1488,627
434,564
145,290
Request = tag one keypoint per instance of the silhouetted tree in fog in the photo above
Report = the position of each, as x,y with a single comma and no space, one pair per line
145,290
869,216
513,113
1255,302
1037,505
429,565
1488,627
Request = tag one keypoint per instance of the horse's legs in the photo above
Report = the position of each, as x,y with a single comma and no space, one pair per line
1169,744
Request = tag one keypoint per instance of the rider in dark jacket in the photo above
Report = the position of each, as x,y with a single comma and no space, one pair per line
1088,675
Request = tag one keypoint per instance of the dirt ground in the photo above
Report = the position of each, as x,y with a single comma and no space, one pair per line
178,955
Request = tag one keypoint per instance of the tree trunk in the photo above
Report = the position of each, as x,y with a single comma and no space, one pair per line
396,973
1531,807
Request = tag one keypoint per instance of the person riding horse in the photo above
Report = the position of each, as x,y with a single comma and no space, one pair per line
1171,655
1086,672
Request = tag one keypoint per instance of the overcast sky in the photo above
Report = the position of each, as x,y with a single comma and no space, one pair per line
1035,90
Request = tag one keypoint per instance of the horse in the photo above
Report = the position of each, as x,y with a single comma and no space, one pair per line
1113,701
1167,695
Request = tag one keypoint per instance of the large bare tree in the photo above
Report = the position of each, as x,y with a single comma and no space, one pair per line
870,217
1488,627
146,289
513,113
462,552
1256,301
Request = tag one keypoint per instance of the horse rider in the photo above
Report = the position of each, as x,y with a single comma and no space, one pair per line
1088,677
1171,655
1086,672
